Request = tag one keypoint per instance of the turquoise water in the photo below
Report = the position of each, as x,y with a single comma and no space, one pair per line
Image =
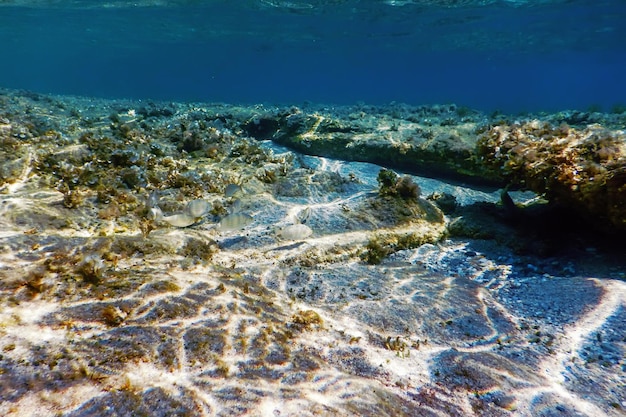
498,55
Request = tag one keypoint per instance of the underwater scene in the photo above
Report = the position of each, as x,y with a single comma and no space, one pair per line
312,208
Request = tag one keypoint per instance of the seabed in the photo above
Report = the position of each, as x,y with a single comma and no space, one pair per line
393,295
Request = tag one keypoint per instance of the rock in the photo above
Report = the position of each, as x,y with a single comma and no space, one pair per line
584,169
418,142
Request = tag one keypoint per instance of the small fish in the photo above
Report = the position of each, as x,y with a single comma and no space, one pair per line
155,214
231,190
234,221
295,232
153,199
236,206
180,220
197,208
303,216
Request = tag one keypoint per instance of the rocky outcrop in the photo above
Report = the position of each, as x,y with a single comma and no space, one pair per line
581,167
432,141
584,169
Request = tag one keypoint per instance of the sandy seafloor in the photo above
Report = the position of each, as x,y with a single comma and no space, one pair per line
100,315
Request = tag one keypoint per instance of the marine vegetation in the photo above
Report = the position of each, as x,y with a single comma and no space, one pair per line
199,250
584,169
306,320
383,244
389,183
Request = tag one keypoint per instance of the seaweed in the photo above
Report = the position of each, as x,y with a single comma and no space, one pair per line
407,188
199,250
390,184
387,180
306,320
582,169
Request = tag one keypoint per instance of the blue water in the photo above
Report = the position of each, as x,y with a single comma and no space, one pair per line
550,56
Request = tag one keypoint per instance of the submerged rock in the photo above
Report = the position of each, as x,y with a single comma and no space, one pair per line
583,169
416,140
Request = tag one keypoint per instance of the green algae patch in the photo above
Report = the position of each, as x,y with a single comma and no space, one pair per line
130,245
394,210
199,250
390,184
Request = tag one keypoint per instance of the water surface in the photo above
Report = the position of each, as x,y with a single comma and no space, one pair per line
504,55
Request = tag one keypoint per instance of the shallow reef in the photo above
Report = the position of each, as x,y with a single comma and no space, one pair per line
170,259
582,169
579,165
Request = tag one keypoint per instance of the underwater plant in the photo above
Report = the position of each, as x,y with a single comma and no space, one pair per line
200,250
579,168
390,184
386,181
307,320
407,188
